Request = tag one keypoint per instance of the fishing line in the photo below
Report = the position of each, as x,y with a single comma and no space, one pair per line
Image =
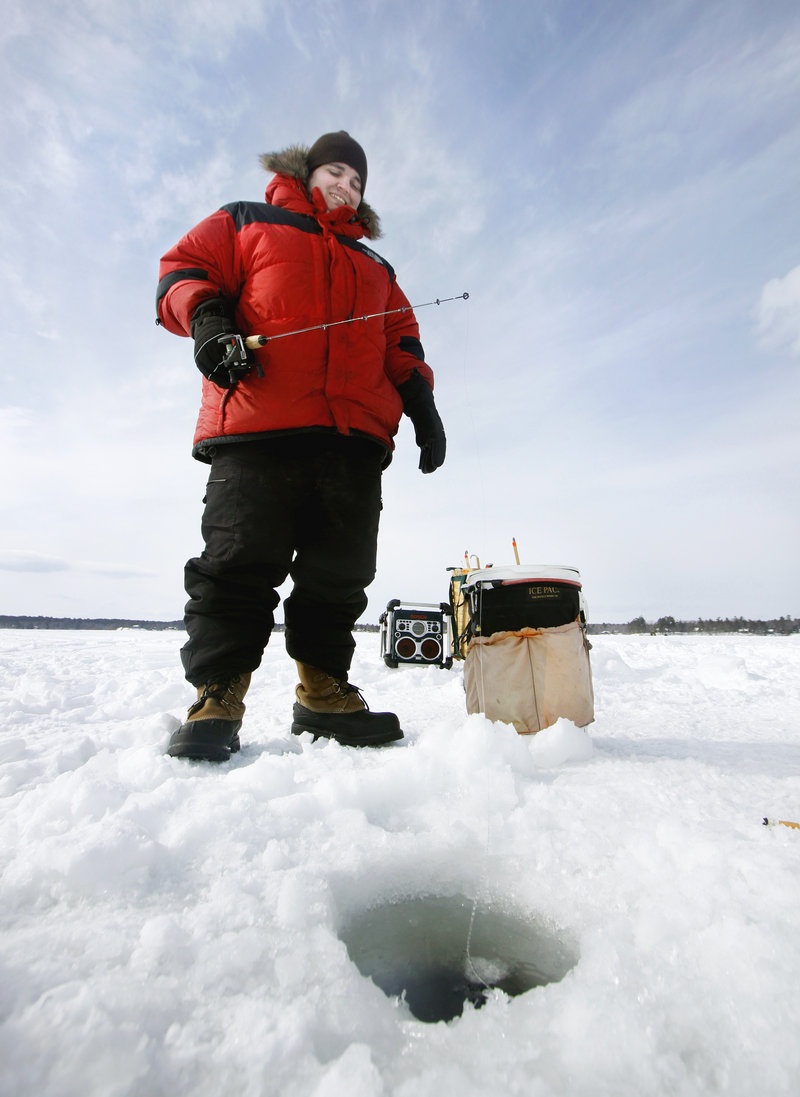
482,881
481,887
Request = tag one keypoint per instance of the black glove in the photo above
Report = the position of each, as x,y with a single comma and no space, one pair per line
418,405
210,322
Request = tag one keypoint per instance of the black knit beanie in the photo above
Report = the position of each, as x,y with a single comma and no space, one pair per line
338,148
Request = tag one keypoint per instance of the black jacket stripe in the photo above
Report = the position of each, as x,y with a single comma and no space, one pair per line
195,274
412,346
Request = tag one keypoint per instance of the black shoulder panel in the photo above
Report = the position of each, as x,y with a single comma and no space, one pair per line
356,245
248,213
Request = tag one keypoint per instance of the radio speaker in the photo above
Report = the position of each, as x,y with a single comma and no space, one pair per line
416,634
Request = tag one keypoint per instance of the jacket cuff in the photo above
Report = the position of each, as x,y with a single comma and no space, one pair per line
415,392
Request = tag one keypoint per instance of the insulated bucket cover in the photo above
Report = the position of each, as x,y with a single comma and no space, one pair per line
508,599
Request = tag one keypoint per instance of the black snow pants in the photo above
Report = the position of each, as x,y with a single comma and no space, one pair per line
304,505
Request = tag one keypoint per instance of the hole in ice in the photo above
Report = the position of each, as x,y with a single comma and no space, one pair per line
423,951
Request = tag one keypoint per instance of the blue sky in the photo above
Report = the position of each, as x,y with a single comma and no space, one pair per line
615,184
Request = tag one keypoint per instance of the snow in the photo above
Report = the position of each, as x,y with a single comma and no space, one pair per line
171,927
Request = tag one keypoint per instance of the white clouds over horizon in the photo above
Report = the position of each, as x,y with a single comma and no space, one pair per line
778,313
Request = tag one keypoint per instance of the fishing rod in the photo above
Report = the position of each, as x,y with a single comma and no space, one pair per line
252,342
237,363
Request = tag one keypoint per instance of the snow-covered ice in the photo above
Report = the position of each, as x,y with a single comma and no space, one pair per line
179,928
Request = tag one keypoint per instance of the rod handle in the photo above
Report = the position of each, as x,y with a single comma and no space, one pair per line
253,342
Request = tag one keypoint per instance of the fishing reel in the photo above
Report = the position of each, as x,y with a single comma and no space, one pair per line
237,361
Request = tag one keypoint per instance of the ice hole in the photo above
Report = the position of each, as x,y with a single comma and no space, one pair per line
417,949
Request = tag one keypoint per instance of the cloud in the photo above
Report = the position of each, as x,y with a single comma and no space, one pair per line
11,560
778,313
42,564
114,571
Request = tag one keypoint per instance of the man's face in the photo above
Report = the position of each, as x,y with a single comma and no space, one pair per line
340,185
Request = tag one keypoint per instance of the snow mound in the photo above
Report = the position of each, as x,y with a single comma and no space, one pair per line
560,743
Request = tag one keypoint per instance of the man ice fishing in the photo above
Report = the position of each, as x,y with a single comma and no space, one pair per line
296,436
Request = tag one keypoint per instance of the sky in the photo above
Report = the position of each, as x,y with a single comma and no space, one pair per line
614,184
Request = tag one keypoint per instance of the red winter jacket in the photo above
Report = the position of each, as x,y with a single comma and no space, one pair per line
284,265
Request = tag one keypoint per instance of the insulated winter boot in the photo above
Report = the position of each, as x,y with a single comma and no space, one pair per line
332,708
211,730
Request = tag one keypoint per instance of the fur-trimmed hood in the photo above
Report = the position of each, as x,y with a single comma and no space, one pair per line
293,162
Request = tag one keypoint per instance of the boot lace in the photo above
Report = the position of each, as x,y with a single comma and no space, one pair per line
343,688
217,691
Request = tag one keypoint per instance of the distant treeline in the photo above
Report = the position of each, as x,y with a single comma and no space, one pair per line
110,623
781,626
8,621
